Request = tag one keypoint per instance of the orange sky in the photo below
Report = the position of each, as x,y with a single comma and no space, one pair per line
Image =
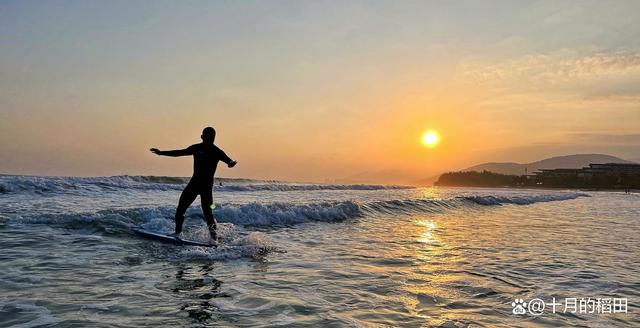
315,92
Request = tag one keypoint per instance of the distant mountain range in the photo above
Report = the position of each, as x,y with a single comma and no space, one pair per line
569,161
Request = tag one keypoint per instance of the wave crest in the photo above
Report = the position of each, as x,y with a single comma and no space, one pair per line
279,214
522,200
52,185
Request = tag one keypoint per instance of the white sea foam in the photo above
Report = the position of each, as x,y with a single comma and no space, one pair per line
286,214
233,245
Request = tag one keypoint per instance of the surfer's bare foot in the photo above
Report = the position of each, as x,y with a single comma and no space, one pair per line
174,235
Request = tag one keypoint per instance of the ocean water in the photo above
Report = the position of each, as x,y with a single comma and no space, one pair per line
300,255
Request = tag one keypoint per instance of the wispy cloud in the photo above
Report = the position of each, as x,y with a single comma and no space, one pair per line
558,95
556,68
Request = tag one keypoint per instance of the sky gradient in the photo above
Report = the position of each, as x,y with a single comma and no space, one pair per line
315,90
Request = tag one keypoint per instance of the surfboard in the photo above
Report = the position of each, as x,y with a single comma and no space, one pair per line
169,239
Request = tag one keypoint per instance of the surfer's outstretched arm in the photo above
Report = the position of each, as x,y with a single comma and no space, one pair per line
226,159
172,153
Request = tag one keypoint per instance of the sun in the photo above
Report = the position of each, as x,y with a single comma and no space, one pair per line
430,138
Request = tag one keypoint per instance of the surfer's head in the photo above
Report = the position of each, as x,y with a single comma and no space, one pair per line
208,134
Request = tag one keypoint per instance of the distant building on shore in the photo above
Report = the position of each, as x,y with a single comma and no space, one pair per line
609,175
591,170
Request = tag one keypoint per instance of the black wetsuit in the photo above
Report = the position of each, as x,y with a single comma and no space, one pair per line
205,161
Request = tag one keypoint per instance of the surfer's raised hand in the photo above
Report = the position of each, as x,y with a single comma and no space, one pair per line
232,164
155,151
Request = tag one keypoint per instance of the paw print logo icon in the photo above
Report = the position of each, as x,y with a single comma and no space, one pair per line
519,306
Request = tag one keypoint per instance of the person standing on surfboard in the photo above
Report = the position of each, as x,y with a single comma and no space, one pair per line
206,156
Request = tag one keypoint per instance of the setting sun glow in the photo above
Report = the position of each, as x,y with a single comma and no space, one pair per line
430,138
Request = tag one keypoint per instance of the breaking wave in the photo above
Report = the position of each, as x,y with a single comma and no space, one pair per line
53,185
522,200
304,187
282,214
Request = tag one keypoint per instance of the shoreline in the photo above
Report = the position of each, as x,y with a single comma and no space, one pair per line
631,191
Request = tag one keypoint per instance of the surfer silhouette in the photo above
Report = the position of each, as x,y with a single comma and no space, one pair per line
206,156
